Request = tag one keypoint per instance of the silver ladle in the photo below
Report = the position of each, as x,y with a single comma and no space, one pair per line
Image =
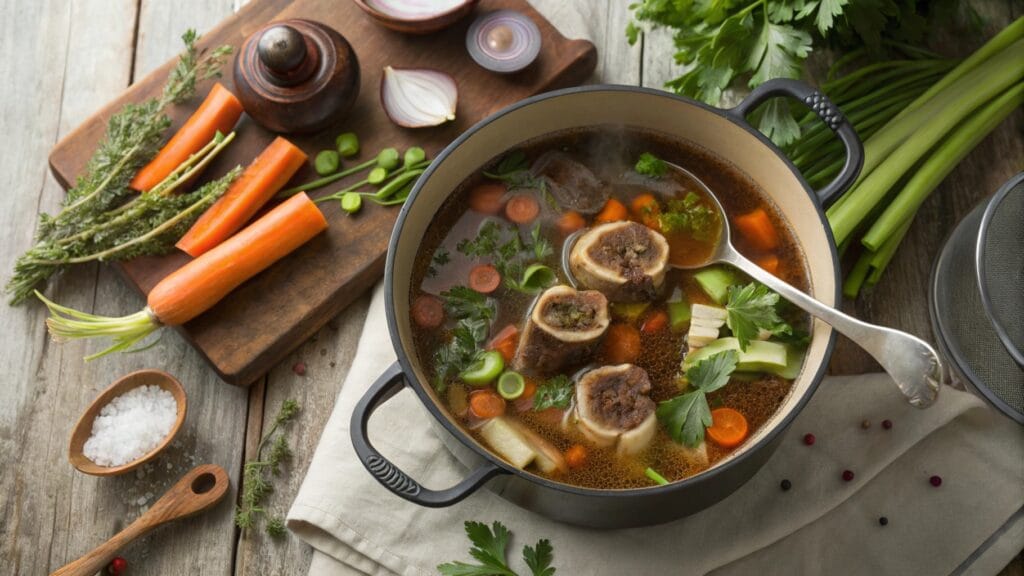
911,362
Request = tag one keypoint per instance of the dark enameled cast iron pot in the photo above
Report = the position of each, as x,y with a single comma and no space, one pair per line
727,134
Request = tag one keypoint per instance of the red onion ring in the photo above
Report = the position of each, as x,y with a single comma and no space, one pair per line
504,41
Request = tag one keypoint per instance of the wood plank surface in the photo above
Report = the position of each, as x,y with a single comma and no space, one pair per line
244,336
74,56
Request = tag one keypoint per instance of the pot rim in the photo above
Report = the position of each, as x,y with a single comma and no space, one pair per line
404,359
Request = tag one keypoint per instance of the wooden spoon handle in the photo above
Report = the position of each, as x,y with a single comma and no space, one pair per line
197,490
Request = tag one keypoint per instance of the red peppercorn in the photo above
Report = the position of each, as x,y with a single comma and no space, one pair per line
809,439
887,424
847,475
299,368
936,481
117,566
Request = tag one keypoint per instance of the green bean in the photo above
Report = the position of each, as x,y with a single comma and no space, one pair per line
347,144
388,159
377,175
326,162
351,202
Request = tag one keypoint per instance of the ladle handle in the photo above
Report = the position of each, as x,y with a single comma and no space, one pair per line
829,114
197,490
910,361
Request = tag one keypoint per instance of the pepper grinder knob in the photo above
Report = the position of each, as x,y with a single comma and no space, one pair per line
282,50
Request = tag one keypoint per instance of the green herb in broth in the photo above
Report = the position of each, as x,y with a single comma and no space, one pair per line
750,309
474,312
440,259
687,415
650,165
511,255
688,214
555,393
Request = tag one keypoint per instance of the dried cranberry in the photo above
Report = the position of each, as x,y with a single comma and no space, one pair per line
809,439
936,480
847,475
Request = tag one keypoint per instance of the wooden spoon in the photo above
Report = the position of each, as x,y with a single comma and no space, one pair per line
198,490
83,429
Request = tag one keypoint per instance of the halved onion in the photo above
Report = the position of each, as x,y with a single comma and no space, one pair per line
415,9
418,98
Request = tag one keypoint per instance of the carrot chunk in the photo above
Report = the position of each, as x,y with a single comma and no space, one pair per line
758,229
485,404
486,198
729,427
770,263
197,286
613,211
570,222
218,113
505,341
427,311
484,278
621,344
522,208
655,322
576,456
646,209
267,174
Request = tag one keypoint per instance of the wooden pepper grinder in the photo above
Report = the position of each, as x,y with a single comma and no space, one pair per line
296,76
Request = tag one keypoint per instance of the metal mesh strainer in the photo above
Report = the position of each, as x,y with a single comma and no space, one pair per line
962,328
1000,264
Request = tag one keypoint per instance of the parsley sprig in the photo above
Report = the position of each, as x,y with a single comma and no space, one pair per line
555,393
489,550
752,308
687,416
256,485
650,165
689,214
474,312
518,261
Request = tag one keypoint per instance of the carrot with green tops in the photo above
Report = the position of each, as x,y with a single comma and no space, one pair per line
267,174
198,285
613,211
218,113
758,229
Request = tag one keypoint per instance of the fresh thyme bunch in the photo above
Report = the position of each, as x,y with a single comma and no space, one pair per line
256,484
96,201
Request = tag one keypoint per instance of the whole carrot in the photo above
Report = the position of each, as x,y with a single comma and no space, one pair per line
197,286
218,113
267,174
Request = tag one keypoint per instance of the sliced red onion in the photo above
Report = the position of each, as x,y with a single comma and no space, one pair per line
418,98
414,9
503,41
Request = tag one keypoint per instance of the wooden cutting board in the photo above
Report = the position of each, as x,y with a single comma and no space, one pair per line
252,330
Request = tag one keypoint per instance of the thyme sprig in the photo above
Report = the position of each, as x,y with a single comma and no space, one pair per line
133,137
255,482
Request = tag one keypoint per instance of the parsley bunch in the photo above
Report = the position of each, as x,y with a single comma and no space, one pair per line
724,41
474,312
687,416
555,393
489,550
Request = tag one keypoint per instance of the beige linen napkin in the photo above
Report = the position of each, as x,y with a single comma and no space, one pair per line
823,525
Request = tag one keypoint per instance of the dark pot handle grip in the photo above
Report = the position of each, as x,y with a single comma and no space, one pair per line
389,384
829,114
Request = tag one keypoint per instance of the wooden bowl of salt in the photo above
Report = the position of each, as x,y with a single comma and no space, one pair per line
128,424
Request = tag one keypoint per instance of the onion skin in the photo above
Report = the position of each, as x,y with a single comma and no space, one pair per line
407,118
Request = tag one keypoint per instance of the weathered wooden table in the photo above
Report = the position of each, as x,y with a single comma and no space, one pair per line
61,61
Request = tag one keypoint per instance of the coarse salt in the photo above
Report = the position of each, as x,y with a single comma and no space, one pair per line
131,425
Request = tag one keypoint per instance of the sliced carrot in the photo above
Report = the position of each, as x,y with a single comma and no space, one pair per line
486,198
613,211
729,427
522,208
218,113
570,222
758,229
505,341
484,278
427,311
621,344
267,174
655,322
646,209
576,456
485,404
198,285
529,389
770,263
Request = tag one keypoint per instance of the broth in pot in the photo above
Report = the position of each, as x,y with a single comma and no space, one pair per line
555,329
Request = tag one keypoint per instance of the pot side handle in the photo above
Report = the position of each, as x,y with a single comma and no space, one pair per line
829,114
385,472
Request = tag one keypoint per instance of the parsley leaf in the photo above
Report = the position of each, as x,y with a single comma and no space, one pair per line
511,256
539,558
474,312
440,258
689,214
751,308
462,302
555,393
650,165
489,549
541,247
687,416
